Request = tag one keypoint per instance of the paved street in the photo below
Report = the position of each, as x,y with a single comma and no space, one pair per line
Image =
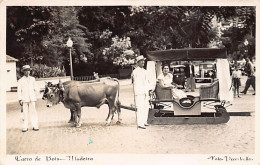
56,136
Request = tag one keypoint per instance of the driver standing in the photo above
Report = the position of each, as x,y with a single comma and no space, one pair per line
141,92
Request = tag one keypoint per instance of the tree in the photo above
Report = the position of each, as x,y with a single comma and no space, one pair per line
64,24
240,26
25,28
154,27
38,34
100,21
167,27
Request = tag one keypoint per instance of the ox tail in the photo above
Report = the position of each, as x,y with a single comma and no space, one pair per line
117,102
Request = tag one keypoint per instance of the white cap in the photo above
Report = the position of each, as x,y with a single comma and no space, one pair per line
26,67
140,58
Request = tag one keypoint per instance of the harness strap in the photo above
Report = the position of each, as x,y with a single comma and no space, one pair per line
61,95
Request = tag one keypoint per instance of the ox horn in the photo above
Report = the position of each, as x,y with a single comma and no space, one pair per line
61,85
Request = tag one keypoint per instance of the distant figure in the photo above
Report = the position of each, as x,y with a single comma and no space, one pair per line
165,81
236,75
95,75
249,69
27,97
190,75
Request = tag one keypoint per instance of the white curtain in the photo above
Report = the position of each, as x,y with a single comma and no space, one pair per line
223,73
158,68
151,74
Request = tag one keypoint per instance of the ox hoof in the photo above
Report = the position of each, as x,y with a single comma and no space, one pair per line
107,124
78,125
70,121
118,122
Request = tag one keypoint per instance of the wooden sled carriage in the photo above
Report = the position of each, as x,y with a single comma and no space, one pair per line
166,110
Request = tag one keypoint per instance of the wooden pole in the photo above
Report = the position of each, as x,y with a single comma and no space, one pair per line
71,68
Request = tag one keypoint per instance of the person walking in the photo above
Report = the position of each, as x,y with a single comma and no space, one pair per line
190,75
236,75
27,98
250,76
141,92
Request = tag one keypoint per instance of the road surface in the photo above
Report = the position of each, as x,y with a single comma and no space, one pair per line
56,136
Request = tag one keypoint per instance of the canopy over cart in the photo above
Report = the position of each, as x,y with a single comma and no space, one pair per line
189,54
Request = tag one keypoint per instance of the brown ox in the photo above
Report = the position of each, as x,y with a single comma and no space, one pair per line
75,94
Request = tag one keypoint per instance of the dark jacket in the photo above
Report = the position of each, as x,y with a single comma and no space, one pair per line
187,70
249,69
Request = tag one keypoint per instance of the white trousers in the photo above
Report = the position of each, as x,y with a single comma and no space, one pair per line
142,105
29,110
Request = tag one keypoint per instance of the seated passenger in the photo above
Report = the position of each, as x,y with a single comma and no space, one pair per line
165,81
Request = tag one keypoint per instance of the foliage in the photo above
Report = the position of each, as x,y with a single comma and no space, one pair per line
64,24
38,34
43,32
247,50
168,27
25,28
241,26
120,51
42,71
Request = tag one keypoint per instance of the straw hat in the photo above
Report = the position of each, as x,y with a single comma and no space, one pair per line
26,67
140,58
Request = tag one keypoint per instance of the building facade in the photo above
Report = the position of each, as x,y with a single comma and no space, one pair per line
11,77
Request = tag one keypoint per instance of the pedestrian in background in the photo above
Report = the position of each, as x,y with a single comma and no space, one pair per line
190,75
141,92
249,69
236,75
27,98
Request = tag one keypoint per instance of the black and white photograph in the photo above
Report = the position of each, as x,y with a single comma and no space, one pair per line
112,83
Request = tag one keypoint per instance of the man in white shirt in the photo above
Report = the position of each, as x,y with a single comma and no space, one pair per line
27,97
141,92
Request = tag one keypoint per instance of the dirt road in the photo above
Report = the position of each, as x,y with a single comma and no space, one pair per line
56,136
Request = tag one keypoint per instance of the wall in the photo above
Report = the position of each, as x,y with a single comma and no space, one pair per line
55,80
11,80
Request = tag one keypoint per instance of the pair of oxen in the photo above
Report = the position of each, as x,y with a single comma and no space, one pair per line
76,94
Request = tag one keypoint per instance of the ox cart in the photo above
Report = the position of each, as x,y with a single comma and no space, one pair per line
166,110
163,108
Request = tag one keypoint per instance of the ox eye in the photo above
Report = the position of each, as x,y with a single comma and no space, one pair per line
51,95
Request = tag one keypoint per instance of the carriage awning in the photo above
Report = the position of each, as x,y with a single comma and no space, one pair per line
191,54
